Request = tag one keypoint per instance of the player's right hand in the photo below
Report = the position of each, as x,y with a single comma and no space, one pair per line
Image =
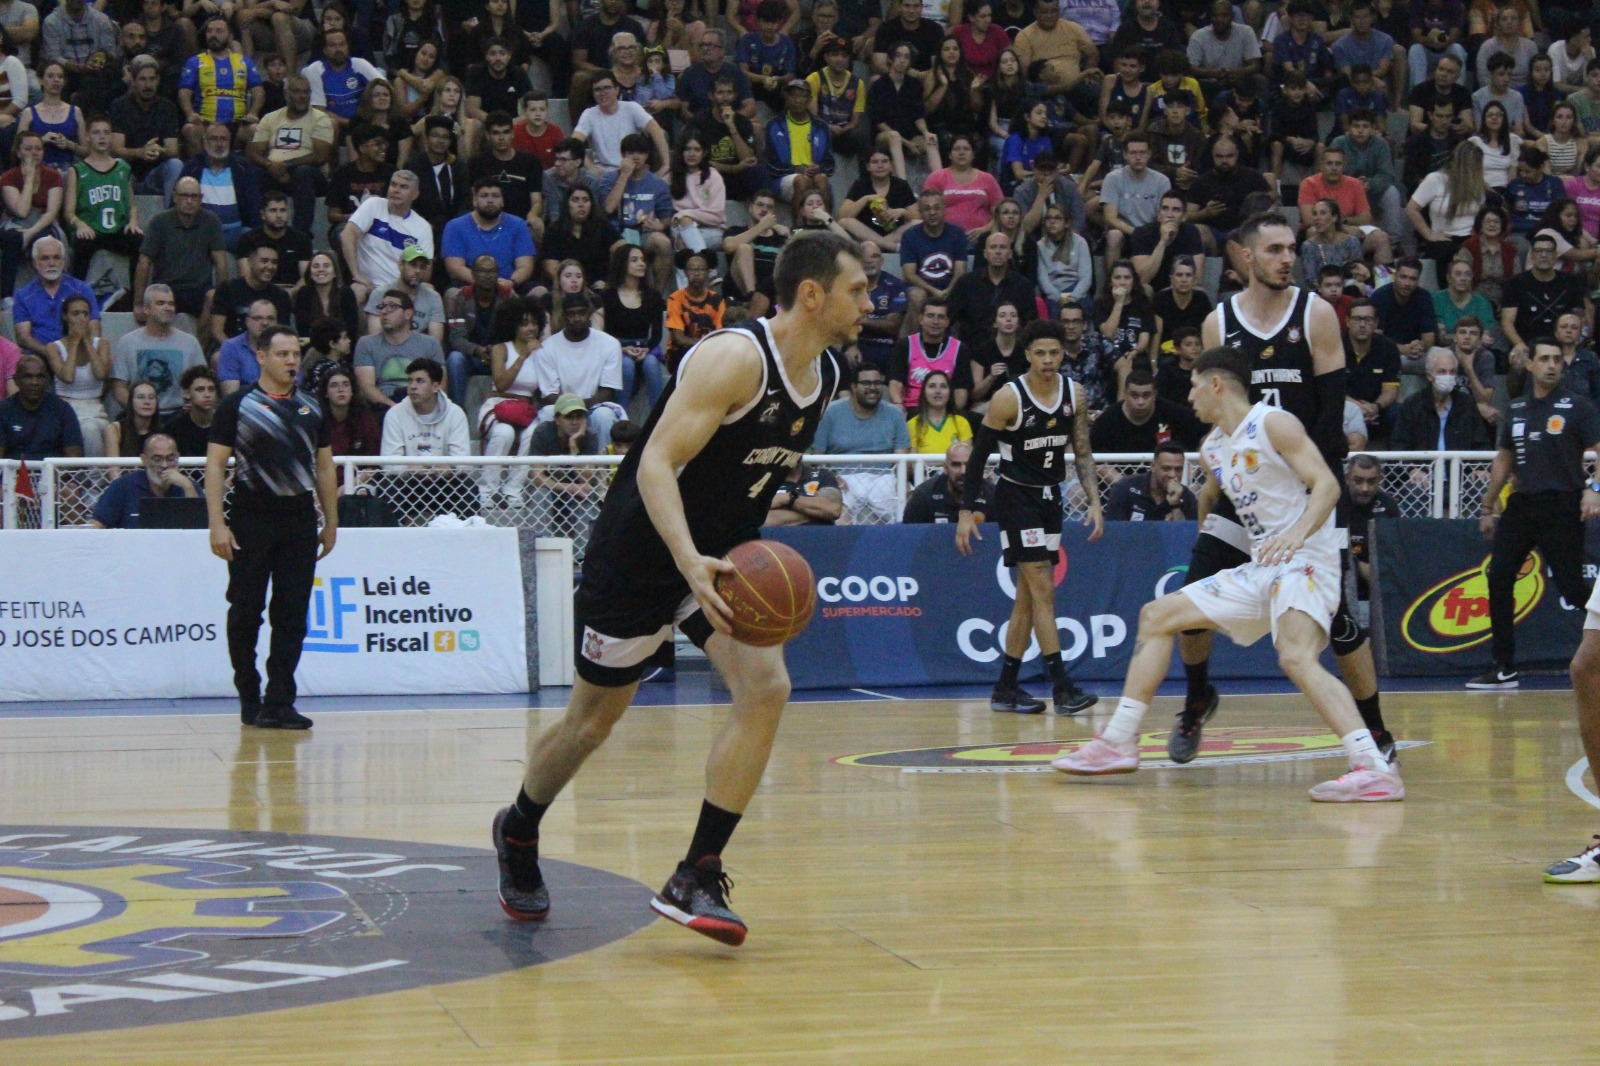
966,530
701,573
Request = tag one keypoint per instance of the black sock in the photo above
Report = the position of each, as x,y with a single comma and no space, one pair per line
1371,714
522,823
1010,667
1199,675
712,832
1054,667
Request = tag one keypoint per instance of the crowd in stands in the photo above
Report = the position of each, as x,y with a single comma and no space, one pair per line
386,179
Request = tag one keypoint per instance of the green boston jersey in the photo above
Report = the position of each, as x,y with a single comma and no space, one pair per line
104,197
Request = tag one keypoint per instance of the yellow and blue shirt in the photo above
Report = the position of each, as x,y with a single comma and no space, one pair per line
222,85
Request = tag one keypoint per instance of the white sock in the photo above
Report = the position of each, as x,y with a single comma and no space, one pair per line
1124,727
1363,751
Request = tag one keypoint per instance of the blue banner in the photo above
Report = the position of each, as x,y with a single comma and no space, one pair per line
898,605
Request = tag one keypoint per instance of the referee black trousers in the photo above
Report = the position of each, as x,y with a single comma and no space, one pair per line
1552,523
277,547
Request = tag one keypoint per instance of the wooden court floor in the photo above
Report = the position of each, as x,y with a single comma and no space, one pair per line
1209,914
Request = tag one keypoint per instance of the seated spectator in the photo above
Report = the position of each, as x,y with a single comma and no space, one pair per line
469,312
560,491
1177,148
237,365
1442,86
533,133
1124,316
1066,266
329,342
119,505
338,80
1491,252
880,206
581,233
930,347
146,125
496,84
938,498
936,425
1497,88
1183,306
840,96
753,252
1174,369
293,147
1364,93
487,231
231,300
1155,246
1131,194
98,203
505,422
862,424
639,201
806,497
1301,49
183,248
80,362
1049,188
974,297
519,175
581,360
799,153
1509,41
1142,420
125,437
1160,497
1439,418
38,308
1373,363
1582,374
768,56
32,194
1429,149
1477,366
325,295
895,111
379,231
1364,500
1459,299
1350,195
603,126
1404,314
230,186
156,352
426,423
1437,27
35,423
1369,161
293,246
441,174
1087,357
1293,122
992,362
383,360
352,427
699,197
1216,199
1328,243
933,254
427,315
1531,193
634,313
1538,296
364,177
695,310
191,427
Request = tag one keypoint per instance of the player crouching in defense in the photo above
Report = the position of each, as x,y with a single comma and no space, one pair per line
1033,420
1264,460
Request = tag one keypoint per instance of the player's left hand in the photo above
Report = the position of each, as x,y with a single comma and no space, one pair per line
1096,521
1280,549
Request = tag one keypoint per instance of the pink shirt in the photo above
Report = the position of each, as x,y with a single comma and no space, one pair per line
9,354
967,206
1588,203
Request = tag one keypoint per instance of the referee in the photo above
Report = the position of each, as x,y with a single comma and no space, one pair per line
1542,441
270,533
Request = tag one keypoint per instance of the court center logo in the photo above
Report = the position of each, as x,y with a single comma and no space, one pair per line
1454,614
1222,745
110,928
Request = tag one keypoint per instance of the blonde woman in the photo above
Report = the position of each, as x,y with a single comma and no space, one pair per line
1446,202
450,99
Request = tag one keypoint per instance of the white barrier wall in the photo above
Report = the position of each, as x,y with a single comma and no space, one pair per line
90,615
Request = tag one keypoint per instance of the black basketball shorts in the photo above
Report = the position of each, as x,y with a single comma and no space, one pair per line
1030,522
619,628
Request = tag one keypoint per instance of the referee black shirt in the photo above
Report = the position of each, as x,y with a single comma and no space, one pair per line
275,441
1547,439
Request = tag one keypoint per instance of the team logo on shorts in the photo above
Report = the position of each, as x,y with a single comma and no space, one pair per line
1555,425
594,646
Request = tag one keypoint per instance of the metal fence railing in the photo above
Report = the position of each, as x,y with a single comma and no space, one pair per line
562,497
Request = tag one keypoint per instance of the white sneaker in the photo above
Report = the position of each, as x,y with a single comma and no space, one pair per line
1581,869
1361,786
1099,757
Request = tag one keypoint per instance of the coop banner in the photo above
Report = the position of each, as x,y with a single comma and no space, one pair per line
897,605
91,615
1436,600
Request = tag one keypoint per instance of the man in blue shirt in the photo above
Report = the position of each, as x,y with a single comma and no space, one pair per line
37,424
863,424
881,328
37,307
487,230
237,365
641,203
337,80
933,255
1405,315
1530,194
768,57
694,84
119,506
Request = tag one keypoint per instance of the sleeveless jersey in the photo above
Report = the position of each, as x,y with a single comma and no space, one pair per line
1136,101
1033,448
919,364
103,197
727,488
1265,491
1281,370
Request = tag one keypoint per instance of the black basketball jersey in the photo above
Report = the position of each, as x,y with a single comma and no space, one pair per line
1034,447
728,487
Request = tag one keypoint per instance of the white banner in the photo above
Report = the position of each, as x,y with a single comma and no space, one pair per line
131,614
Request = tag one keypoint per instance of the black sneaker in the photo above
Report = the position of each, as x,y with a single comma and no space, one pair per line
522,892
281,718
1183,743
249,711
697,896
1014,700
1495,679
1070,699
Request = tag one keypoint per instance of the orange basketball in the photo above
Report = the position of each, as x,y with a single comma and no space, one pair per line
772,593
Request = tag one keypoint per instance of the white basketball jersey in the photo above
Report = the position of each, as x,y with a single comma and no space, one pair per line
1268,494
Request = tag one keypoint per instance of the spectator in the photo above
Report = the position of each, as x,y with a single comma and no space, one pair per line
1223,53
218,86
428,306
634,313
1369,47
604,126
383,359
895,112
366,176
1066,266
584,361
768,56
519,175
1057,52
32,193
591,42
806,497
1452,198
379,231
1177,148
880,207
230,301
565,173
230,187
582,234
935,425
1350,195
1563,143
1049,188
1148,32
1369,162
146,126
330,342
1530,194
325,295
81,38
1459,299
124,438
80,363
156,352
840,97
1301,49
425,422
441,177
1585,188
485,231
1124,316
920,35
1086,357
1437,27
1217,196
974,297
1364,500
1540,97
928,349
799,153
640,202
1362,94
1373,363
9,354
938,498
183,248
505,422
733,142
1173,372
191,427
1131,195
36,424
1429,149
1155,246
989,364
237,365
1028,141
1537,297
1582,373
292,147
1160,497
696,85
1142,420
1293,122
1184,305
1500,146
118,507
338,81
823,32
695,310
1439,418
1509,42
495,85
1570,59
699,197
753,251
933,255
293,247
862,424
469,312
1477,366
1328,242
1497,89
352,427
1490,252
533,134
40,306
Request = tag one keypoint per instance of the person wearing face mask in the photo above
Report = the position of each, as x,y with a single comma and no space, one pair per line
1440,418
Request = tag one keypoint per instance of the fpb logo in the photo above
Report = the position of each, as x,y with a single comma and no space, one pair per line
1454,614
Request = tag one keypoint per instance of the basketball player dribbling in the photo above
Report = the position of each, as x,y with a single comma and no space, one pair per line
1291,337
1284,494
739,412
1032,421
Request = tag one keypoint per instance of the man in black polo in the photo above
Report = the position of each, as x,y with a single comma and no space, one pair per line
1161,497
938,499
1363,501
976,296
1535,298
1142,420
1542,440
270,533
1373,363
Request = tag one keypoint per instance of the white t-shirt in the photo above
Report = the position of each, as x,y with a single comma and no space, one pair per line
595,363
605,132
386,236
1442,216
1569,71
1498,167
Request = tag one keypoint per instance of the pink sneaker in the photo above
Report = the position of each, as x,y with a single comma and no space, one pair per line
1099,757
1361,786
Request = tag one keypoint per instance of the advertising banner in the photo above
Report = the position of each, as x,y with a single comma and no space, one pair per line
1436,600
131,614
898,605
